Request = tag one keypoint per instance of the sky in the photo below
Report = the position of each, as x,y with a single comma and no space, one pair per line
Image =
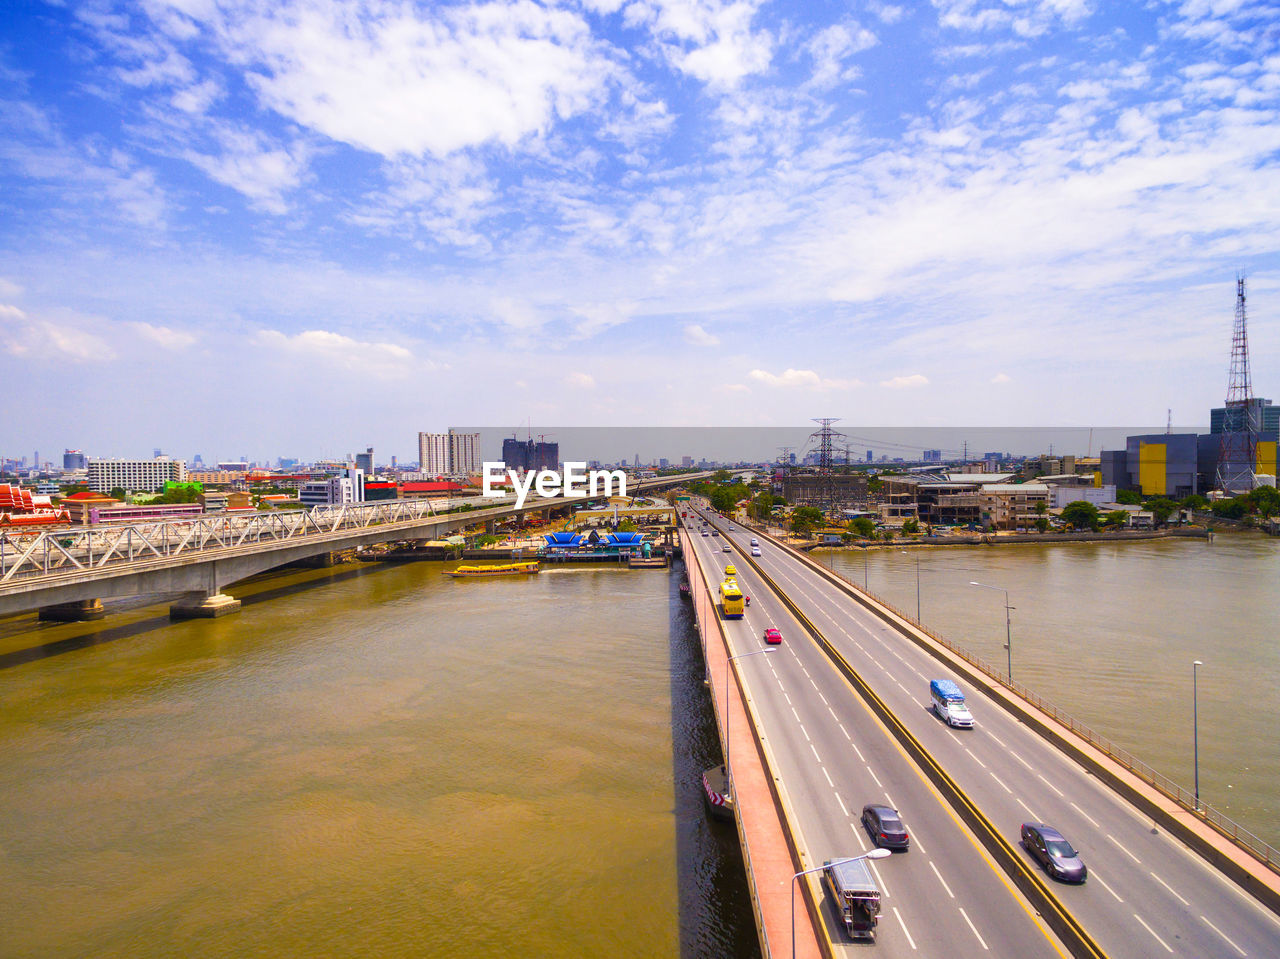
304,227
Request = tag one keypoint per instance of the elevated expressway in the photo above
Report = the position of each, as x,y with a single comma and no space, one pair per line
1148,893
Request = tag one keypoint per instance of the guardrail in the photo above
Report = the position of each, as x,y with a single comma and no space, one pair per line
1264,852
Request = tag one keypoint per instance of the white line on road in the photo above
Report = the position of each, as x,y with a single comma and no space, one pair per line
845,731
857,834
889,799
996,738
861,757
1122,849
1002,785
903,925
1224,936
840,801
1170,888
1086,815
833,715
1093,875
973,927
880,880
1021,760
811,682
805,731
815,753
1153,933
829,782
1028,809
795,714
953,736
941,880
975,758
1050,785
875,777
786,697
824,700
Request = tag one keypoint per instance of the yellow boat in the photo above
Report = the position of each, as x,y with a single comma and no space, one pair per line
506,569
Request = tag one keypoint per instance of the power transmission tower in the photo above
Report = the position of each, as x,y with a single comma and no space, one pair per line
1242,419
824,439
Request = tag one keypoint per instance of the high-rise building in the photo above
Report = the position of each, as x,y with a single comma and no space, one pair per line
364,461
526,455
686,461
74,460
464,453
433,454
135,475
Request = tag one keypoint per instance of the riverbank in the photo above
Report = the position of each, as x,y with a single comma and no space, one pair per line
999,539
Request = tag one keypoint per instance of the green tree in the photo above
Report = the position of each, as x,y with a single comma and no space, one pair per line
1265,500
864,527
886,534
762,507
874,484
1161,508
1128,497
720,476
1233,508
1194,501
805,518
1115,519
627,526
1080,514
1042,524
488,539
1041,508
119,492
910,526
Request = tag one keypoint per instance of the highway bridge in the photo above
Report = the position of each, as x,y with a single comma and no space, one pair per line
200,557
843,718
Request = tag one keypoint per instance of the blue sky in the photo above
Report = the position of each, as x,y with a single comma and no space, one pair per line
301,228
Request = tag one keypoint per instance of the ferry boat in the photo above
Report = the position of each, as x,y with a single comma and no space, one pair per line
506,569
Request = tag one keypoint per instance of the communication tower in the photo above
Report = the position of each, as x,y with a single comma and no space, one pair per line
1242,419
825,445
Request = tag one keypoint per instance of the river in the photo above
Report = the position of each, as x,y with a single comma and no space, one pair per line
369,760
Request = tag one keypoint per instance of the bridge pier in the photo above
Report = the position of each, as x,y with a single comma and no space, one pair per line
77,611
201,605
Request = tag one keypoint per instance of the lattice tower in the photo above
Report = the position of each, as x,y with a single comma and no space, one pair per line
1237,453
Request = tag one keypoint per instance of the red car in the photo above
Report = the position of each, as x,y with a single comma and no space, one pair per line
772,636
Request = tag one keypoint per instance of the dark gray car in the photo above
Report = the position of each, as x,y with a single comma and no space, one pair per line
885,827
1058,857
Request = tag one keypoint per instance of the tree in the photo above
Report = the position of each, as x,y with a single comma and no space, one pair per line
1042,524
1080,514
864,527
1234,508
1041,508
1128,497
118,492
804,519
1265,500
1161,508
910,526
1194,501
627,526
1115,519
874,484
886,534
762,507
720,476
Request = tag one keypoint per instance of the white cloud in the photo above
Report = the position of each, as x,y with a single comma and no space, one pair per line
1001,378
582,380
8,288
163,336
695,334
516,315
248,163
334,349
60,338
801,379
913,381
711,40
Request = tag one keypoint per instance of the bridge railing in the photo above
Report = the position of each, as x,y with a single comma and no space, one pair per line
1184,797
27,554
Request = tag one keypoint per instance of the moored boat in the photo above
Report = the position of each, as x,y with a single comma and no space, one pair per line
504,569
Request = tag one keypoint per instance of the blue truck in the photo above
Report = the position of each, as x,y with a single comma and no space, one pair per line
949,704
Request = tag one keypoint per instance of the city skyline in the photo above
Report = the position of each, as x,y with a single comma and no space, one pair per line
315,227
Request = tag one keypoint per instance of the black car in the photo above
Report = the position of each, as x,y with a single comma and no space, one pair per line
1048,847
885,827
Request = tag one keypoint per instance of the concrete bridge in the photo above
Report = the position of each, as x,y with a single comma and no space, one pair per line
67,572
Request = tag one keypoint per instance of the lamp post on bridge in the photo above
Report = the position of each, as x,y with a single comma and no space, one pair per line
728,768
1195,724
1008,629
878,853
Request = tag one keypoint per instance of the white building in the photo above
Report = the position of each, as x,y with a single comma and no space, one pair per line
449,454
433,454
1060,496
135,476
464,453
334,491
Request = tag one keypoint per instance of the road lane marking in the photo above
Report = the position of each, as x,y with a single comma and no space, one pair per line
1153,933
889,800
1122,849
795,714
1093,875
975,758
815,753
843,807
875,777
1028,809
1002,785
1170,888
857,834
845,731
824,701
905,931
1086,816
1224,936
973,927
941,880
952,735
996,738
1050,785
880,879
829,782
788,699
833,715
805,731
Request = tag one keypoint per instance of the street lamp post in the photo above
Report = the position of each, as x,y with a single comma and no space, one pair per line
728,768
1195,725
1008,628
917,559
878,853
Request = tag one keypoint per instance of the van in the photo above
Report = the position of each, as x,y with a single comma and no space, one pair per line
949,704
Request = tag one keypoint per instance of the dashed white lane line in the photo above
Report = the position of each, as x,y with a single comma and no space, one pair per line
974,928
875,777
1033,816
843,807
805,731
880,879
975,758
1123,850
845,731
1002,785
787,698
1086,816
1094,877
1224,936
1153,933
905,930
795,714
824,701
941,880
829,782
1170,888
1050,785
889,800
861,758
996,738
953,736
815,753
811,682
857,834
